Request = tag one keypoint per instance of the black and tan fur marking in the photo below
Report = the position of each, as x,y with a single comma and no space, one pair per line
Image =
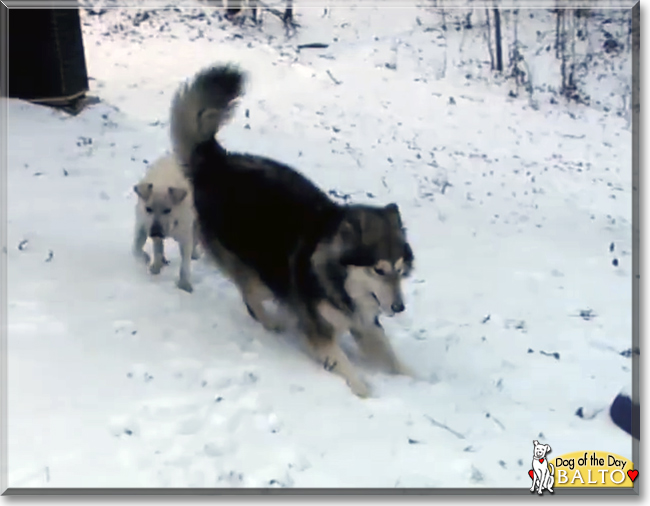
276,234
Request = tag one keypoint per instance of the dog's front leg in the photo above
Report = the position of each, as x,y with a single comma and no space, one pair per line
535,479
371,338
196,231
158,255
139,240
321,328
186,247
542,480
328,353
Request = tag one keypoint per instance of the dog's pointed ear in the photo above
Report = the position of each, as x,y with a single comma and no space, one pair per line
177,195
392,211
548,448
350,229
143,190
536,442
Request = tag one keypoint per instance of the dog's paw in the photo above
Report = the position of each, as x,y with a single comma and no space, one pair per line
165,261
402,369
185,285
142,256
274,324
276,328
359,388
155,268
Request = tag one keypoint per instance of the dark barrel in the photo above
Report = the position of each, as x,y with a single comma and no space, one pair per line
46,55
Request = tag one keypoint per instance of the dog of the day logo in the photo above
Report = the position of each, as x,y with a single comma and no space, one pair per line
594,469
579,469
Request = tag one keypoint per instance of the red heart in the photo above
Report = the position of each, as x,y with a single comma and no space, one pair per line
541,460
633,474
531,473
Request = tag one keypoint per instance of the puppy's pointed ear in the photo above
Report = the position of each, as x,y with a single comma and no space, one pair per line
177,195
536,442
143,190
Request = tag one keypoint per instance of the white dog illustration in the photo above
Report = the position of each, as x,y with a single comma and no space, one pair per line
543,476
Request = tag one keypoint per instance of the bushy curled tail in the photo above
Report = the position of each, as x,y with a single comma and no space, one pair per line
201,106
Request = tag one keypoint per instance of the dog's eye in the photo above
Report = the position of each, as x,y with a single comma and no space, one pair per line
149,210
167,211
379,271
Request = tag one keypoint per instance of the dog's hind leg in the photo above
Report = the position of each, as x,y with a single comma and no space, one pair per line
254,293
550,478
158,255
139,240
372,340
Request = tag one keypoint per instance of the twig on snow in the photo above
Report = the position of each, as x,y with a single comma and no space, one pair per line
336,81
443,426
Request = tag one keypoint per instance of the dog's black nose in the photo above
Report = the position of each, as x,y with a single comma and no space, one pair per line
156,230
397,307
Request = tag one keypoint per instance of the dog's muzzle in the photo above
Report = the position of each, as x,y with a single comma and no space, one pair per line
156,231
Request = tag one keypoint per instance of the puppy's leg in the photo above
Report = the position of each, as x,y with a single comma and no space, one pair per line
139,240
371,338
196,254
186,245
550,482
158,256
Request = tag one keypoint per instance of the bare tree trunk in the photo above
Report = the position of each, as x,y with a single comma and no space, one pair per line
489,38
497,36
254,7
572,77
288,12
468,21
234,6
560,45
514,57
287,19
558,33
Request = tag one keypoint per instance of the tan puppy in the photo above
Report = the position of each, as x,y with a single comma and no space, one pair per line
165,208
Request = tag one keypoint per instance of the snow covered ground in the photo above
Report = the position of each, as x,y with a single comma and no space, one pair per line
518,313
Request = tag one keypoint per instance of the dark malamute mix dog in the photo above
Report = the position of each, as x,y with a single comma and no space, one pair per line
335,267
